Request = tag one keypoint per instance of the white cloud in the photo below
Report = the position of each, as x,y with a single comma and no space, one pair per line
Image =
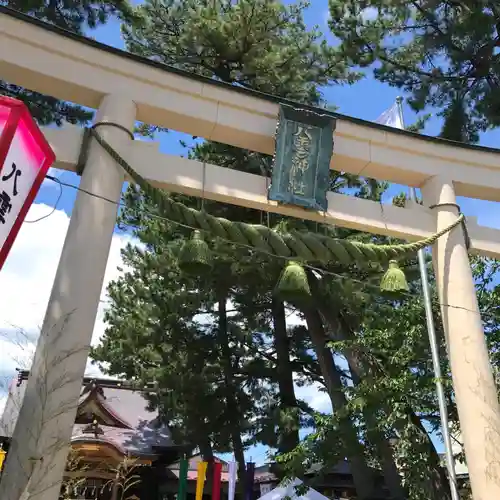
369,14
313,394
326,17
317,398
27,278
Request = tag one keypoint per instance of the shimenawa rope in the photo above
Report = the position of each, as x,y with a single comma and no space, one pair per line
302,246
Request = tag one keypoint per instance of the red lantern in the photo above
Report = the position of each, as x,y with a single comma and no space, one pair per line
25,157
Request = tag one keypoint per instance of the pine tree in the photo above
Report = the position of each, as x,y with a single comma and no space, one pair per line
263,45
73,15
260,44
171,320
440,52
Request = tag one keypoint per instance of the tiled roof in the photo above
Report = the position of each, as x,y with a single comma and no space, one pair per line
142,436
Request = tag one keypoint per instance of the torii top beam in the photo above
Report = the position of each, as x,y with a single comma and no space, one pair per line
67,66
50,60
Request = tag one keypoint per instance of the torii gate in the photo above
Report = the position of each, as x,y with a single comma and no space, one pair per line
124,88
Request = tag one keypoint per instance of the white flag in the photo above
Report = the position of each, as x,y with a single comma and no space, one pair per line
391,117
232,480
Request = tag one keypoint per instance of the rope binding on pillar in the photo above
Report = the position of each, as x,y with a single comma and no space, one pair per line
464,225
297,246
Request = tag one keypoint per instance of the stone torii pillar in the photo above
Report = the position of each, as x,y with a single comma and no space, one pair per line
473,381
37,458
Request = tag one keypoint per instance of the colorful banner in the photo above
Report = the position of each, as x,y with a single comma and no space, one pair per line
183,474
250,473
216,481
232,480
200,480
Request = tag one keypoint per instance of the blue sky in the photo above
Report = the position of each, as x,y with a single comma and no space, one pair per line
366,99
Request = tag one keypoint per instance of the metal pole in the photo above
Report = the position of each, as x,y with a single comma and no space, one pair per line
443,413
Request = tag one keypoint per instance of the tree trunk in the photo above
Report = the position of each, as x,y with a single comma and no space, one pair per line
362,475
362,366
384,450
440,487
289,438
231,403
